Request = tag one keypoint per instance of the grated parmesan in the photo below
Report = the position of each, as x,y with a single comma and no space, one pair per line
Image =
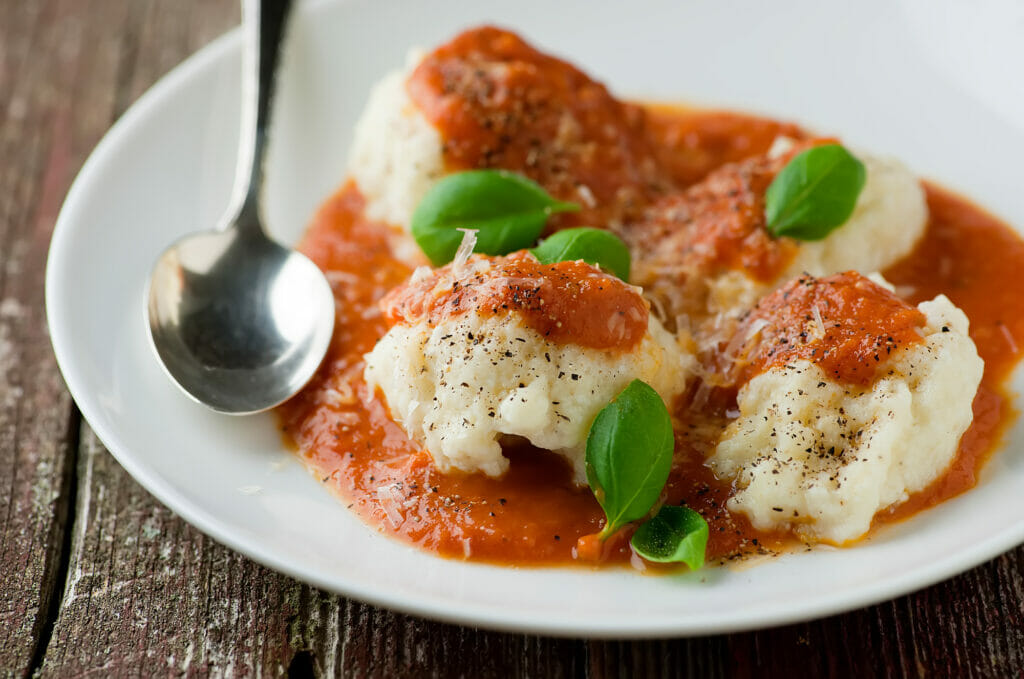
586,195
1008,336
390,498
904,291
420,274
465,249
817,319
781,146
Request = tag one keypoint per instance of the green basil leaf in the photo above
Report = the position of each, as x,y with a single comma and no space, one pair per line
675,534
629,454
594,246
815,193
507,210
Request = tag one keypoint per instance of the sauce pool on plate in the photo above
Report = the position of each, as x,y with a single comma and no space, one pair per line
535,515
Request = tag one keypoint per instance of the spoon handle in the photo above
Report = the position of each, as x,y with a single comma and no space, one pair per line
263,26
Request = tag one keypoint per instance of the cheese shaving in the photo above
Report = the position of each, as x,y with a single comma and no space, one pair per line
390,498
465,249
586,195
420,274
1008,336
905,291
757,326
817,319
700,396
781,146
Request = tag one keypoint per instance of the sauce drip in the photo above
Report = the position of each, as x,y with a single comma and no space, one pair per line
566,302
846,324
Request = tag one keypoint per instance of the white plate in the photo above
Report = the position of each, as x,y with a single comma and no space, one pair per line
916,80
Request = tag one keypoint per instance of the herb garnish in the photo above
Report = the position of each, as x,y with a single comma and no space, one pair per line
629,455
507,210
593,246
675,534
815,193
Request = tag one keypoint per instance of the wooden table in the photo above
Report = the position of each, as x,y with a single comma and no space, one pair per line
97,578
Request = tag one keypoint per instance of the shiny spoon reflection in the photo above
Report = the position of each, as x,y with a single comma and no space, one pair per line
239,322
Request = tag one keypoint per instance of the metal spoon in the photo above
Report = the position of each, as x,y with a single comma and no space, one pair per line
239,322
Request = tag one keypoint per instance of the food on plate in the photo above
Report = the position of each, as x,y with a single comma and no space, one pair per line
575,329
489,100
707,252
504,211
850,400
495,347
396,157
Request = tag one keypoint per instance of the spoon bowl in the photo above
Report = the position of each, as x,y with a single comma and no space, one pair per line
239,323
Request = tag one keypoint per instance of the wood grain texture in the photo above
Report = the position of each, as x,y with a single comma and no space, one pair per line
41,145
147,593
99,579
970,626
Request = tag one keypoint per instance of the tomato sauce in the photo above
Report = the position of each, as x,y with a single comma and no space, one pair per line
534,515
691,146
846,324
717,225
566,302
973,258
500,103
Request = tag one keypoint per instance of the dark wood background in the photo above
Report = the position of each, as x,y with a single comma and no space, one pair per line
97,578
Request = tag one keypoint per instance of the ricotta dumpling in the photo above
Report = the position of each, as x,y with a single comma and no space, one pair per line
396,153
706,252
502,347
487,99
851,400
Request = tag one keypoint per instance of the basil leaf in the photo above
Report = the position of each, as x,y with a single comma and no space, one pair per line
815,193
593,246
507,210
675,534
629,454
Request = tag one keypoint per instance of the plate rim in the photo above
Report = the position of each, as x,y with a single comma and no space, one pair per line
477,614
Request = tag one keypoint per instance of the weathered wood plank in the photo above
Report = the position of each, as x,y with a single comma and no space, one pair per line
44,50
970,626
148,594
378,643
61,62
